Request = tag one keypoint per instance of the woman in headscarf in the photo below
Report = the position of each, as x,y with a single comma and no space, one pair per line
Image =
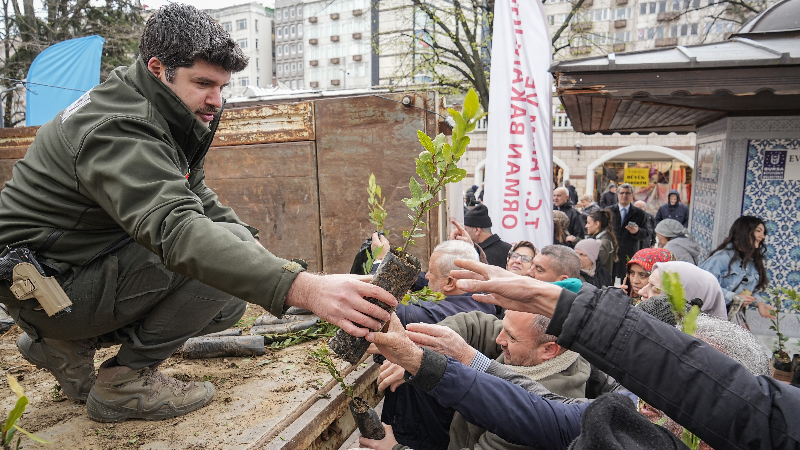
639,268
560,224
675,237
696,282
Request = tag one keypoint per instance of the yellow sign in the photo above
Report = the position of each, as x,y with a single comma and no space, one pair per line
638,176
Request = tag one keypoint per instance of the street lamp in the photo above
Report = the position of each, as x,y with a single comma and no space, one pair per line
578,146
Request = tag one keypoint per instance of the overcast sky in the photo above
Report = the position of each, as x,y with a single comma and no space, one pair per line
207,4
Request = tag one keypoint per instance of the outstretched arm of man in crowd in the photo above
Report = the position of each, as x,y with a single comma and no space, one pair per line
710,394
507,410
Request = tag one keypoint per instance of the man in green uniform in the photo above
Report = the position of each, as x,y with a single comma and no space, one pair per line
111,197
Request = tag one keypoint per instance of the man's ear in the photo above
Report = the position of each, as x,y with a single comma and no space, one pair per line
157,68
551,350
563,277
449,286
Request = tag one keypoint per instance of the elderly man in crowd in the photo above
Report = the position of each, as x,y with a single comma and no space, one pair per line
561,202
478,225
418,420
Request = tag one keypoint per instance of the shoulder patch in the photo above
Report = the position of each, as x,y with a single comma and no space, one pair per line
75,106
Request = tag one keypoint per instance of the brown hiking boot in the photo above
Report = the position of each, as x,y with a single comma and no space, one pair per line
70,362
121,393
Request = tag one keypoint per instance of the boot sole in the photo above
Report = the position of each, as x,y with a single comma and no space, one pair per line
106,411
24,344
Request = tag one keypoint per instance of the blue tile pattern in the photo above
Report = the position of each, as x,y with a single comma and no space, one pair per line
777,202
704,196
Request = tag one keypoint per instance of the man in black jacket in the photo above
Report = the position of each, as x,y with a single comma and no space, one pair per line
561,202
479,227
674,209
573,193
630,227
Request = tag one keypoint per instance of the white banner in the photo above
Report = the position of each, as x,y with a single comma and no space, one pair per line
519,160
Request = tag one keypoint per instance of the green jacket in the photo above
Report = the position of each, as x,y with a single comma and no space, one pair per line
126,159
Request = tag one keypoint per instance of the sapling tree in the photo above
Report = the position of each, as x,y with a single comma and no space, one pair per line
777,301
437,165
324,359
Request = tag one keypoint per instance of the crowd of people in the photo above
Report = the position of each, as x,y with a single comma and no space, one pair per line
566,359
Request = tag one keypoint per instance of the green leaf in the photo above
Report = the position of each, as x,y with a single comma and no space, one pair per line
434,205
14,386
416,189
424,172
439,140
16,413
32,436
690,321
461,147
10,436
426,142
471,104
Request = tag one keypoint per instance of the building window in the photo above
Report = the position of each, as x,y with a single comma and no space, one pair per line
258,81
299,10
241,24
227,26
286,49
242,43
244,81
294,67
285,13
299,29
286,67
256,25
300,66
280,51
300,48
294,49
291,11
286,32
256,43
292,29
256,63
279,68
280,32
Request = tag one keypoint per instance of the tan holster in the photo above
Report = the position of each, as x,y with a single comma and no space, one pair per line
29,283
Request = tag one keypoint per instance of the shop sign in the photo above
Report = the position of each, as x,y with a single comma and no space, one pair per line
783,165
637,176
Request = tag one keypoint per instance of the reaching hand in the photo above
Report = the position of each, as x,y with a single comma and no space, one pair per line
391,376
339,299
506,289
382,242
387,443
766,310
441,340
397,347
460,233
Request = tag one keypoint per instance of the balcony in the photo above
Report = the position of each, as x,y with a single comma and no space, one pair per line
667,16
312,20
313,41
357,12
621,2
313,63
620,23
335,82
667,42
335,16
334,38
581,50
314,84
335,60
356,57
582,26
619,47
356,36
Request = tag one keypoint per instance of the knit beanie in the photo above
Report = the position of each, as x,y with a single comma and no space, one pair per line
670,228
478,217
612,423
591,247
735,342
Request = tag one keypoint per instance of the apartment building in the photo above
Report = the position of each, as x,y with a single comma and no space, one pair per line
338,51
250,25
289,43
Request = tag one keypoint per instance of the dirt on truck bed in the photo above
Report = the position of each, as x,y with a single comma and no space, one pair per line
254,394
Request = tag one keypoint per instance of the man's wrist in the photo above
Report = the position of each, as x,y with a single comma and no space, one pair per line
301,291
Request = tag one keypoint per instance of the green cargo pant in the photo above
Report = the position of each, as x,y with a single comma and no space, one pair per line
128,297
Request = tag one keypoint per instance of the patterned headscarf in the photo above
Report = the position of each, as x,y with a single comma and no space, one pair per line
646,257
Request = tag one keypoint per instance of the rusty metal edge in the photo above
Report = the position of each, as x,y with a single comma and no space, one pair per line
305,133
306,428
287,422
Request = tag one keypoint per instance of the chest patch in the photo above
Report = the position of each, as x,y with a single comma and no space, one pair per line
75,106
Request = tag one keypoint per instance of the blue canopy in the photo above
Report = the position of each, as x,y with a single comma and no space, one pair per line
73,64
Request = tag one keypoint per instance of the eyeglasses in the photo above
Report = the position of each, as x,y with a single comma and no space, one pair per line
524,258
624,193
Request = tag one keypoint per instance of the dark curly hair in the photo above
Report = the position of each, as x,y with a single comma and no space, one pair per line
178,35
605,218
742,238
